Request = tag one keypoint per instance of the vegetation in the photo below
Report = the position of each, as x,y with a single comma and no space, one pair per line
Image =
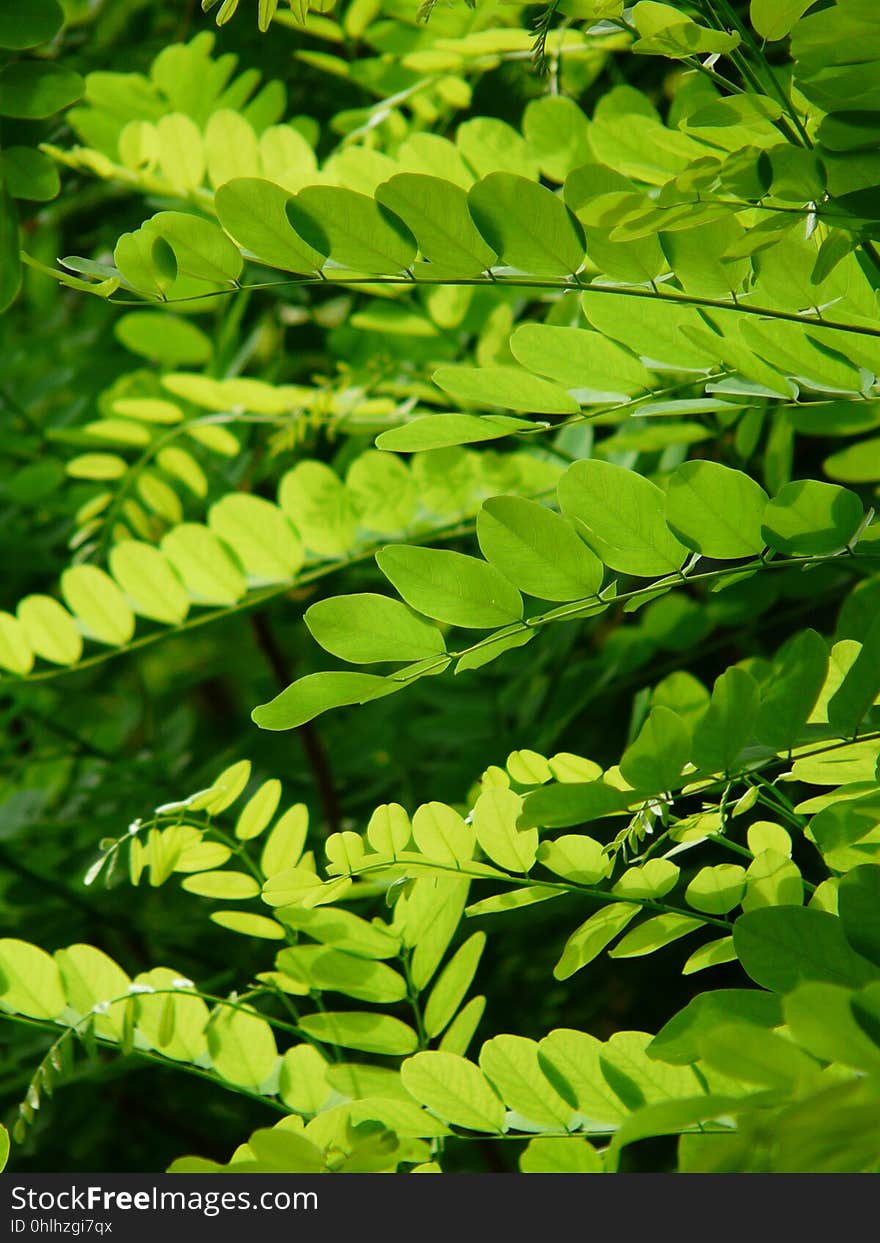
440,681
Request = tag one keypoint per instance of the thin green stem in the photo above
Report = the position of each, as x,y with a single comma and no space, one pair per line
151,1055
256,600
415,1005
591,605
551,285
585,891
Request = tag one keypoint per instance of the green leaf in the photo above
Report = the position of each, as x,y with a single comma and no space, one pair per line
33,89
96,466
806,517
774,19
820,1018
678,1041
30,982
173,1022
91,978
858,690
512,1065
454,1089
844,832
207,569
28,25
319,692
181,152
254,213
319,506
528,768
151,586
718,889
528,227
556,1154
441,431
343,930
513,900
436,213
441,834
555,128
856,463
773,880
201,856
249,925
178,463
576,857
571,1060
146,261
370,1033
488,144
430,917
857,762
303,1081
766,835
749,1053
558,806
382,492
389,829
496,645
98,603
258,811
726,725
163,338
225,790
367,628
512,388
715,510
201,249
683,1117
782,946
712,954
320,967
635,1077
665,31
242,1046
580,360
537,549
653,879
653,934
655,759
788,699
345,852
451,586
50,630
452,985
461,1030
260,535
588,940
859,907
360,1080
495,822
16,654
227,886
620,515
284,844
29,174
352,229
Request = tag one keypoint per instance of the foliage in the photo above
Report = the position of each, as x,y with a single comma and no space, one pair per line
364,381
